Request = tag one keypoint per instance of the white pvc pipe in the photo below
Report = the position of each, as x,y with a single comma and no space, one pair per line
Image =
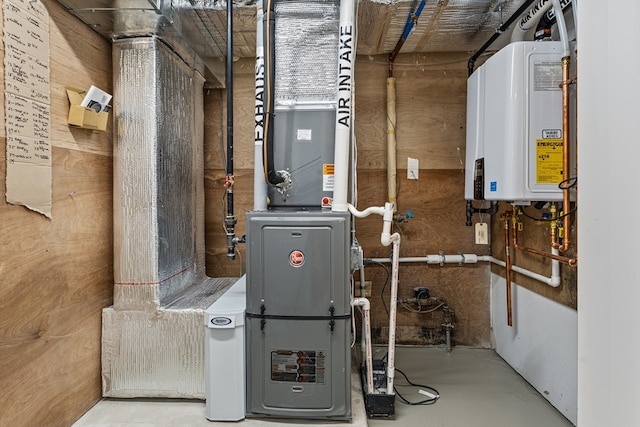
364,303
386,238
344,108
530,20
391,351
437,259
553,281
365,213
562,28
259,184
574,9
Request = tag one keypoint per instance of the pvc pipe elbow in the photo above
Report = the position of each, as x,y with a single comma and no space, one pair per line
387,214
365,213
362,302
387,239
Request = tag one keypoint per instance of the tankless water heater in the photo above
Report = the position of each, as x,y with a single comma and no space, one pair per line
514,125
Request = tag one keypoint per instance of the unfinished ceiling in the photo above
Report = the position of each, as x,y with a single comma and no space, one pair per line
443,26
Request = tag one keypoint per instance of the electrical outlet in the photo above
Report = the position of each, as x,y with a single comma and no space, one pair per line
367,289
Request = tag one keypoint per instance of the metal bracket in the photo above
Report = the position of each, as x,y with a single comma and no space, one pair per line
332,323
499,8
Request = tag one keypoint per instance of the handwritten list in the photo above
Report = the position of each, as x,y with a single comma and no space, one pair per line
27,104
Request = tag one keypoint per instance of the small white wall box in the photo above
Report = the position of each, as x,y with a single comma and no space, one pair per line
224,355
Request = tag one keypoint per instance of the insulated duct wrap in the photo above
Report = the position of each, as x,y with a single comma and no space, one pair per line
198,173
155,176
306,37
159,353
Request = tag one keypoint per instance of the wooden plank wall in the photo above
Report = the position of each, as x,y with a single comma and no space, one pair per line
431,108
56,275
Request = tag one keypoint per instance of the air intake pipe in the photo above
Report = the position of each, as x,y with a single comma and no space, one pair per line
530,19
543,30
346,61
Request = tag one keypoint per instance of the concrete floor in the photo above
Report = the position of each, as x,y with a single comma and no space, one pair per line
476,386
477,389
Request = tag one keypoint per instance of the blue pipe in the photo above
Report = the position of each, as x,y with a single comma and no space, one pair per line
412,19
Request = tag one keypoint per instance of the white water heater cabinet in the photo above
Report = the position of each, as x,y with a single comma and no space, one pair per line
514,125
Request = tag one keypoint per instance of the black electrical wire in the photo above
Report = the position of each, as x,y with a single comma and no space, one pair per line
549,219
386,282
429,401
272,177
523,8
568,183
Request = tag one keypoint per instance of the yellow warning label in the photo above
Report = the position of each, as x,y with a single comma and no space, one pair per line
327,169
548,161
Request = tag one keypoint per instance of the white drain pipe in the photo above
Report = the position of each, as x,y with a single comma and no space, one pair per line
386,238
366,308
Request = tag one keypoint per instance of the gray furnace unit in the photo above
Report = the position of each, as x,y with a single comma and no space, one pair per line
298,357
297,325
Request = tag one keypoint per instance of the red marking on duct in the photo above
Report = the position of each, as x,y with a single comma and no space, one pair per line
156,283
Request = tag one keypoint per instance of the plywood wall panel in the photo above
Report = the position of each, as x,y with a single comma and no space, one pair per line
79,58
243,119
218,265
436,201
431,107
56,275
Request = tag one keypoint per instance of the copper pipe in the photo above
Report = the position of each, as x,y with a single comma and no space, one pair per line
566,160
507,261
570,261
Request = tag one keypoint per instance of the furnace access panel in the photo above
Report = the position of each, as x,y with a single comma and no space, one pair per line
298,315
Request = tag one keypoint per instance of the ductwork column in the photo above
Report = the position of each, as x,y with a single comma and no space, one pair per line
158,249
152,342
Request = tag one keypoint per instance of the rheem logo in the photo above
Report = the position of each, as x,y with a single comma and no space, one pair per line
296,258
